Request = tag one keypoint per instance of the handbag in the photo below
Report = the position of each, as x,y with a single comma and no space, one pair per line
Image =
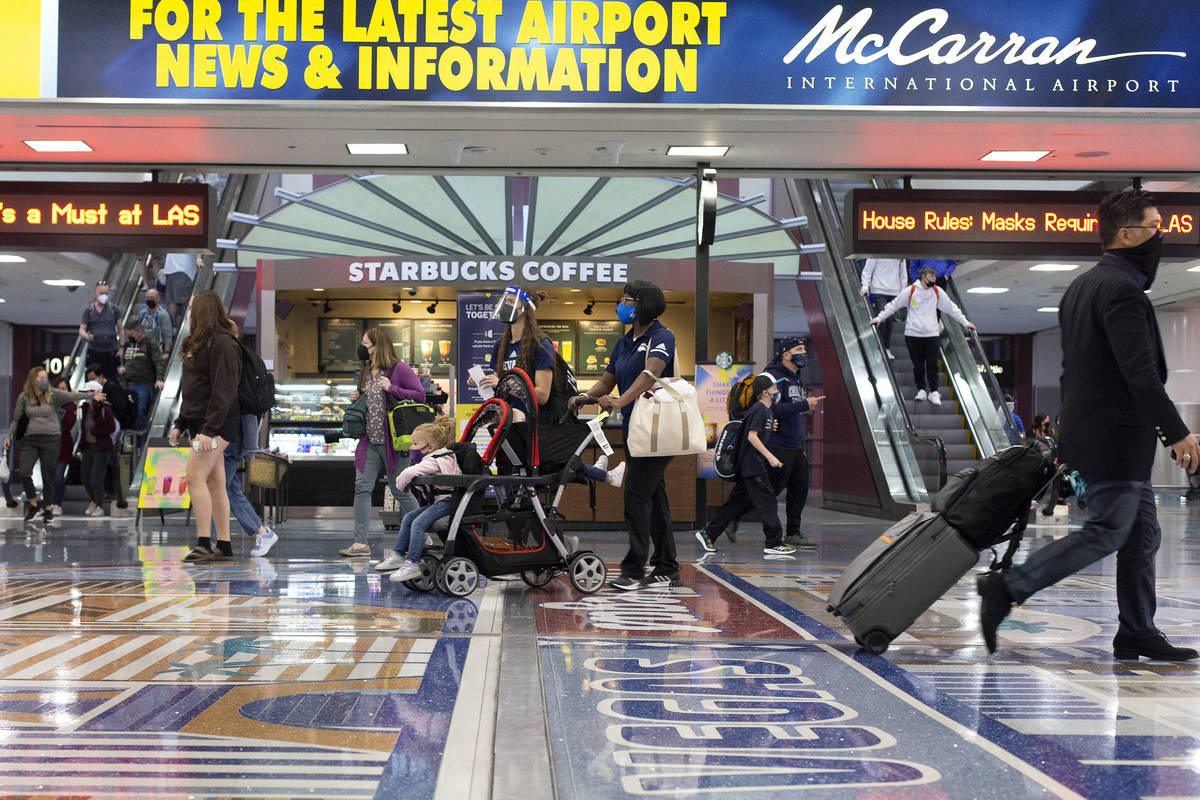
354,419
403,418
22,426
667,422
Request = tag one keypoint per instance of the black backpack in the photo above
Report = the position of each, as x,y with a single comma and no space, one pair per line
256,386
468,458
727,450
983,501
124,402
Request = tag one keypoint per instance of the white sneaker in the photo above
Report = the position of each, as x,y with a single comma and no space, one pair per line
891,355
616,475
602,463
94,510
920,395
408,572
935,398
56,511
393,561
263,542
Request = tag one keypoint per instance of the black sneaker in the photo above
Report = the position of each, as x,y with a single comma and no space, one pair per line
799,540
30,510
626,584
48,514
1156,648
995,604
731,533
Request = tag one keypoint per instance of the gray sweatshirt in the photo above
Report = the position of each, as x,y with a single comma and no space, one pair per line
43,417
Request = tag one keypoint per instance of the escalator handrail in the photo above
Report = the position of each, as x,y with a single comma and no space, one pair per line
975,344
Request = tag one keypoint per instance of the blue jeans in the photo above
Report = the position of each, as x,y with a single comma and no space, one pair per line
1121,518
144,392
364,485
242,509
416,523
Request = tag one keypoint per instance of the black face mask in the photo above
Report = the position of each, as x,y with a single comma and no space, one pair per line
1144,256
151,303
800,360
363,353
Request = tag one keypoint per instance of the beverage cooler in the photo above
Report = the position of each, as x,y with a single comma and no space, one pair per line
306,426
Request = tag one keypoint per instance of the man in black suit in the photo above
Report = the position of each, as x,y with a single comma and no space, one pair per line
1114,406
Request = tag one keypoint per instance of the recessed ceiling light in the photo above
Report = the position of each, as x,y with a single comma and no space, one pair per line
1049,309
568,302
575,290
318,289
2,300
58,145
1194,269
1053,268
378,149
414,301
987,290
62,282
1016,155
697,151
6,259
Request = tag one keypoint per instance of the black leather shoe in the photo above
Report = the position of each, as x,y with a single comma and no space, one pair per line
1153,647
994,605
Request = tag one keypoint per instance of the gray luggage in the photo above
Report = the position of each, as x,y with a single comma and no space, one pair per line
898,577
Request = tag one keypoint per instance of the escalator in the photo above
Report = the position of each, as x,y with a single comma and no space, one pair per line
909,446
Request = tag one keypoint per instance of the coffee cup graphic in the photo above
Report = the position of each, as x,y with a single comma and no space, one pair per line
426,350
444,349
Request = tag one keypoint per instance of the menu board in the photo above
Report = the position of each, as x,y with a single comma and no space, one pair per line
596,340
563,334
337,344
434,343
478,336
400,332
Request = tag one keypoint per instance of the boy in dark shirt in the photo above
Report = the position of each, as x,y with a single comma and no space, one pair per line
753,487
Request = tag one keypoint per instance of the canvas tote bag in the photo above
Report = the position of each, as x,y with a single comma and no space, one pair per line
667,422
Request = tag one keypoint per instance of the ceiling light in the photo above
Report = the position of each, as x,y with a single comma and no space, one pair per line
432,307
318,289
2,300
697,151
6,259
1189,269
414,301
1049,309
58,145
588,310
1016,155
1053,268
396,306
987,290
568,302
574,290
378,149
62,282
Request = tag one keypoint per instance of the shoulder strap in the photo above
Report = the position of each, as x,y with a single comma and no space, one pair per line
912,289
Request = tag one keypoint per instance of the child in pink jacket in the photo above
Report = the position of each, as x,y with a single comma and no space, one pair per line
430,440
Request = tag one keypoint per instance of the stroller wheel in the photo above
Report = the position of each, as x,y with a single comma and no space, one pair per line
587,572
457,576
537,577
428,580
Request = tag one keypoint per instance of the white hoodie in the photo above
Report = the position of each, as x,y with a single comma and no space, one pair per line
885,276
923,305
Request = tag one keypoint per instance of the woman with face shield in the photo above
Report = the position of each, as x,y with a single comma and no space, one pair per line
524,345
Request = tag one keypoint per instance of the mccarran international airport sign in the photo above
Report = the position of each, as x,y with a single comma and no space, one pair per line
900,53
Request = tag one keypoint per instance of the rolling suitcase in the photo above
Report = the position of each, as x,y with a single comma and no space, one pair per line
898,577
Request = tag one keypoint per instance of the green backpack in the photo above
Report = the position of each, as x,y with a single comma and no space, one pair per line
403,418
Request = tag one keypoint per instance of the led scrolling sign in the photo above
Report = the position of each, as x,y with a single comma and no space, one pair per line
954,224
82,216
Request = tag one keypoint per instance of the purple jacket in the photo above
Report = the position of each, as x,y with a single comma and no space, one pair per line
405,386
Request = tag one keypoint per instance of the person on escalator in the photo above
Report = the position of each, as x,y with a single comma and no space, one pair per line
924,301
882,280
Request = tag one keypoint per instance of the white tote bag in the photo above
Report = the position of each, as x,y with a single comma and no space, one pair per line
668,422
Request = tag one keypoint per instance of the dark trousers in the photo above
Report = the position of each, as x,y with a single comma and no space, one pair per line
95,463
108,362
878,301
754,491
792,478
648,517
1121,518
40,449
60,482
923,350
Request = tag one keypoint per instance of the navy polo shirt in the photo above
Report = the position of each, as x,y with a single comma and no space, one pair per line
628,359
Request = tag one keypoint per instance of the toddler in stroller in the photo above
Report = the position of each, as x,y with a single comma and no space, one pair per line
431,440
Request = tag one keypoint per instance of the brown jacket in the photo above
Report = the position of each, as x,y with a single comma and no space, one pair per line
210,383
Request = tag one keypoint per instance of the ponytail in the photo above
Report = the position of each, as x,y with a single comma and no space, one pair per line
440,433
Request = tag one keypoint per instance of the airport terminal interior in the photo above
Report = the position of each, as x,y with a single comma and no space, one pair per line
368,168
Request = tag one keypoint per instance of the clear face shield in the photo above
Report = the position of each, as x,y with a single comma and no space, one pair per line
512,303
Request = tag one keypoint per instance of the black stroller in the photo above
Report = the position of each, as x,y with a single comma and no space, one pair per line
520,501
